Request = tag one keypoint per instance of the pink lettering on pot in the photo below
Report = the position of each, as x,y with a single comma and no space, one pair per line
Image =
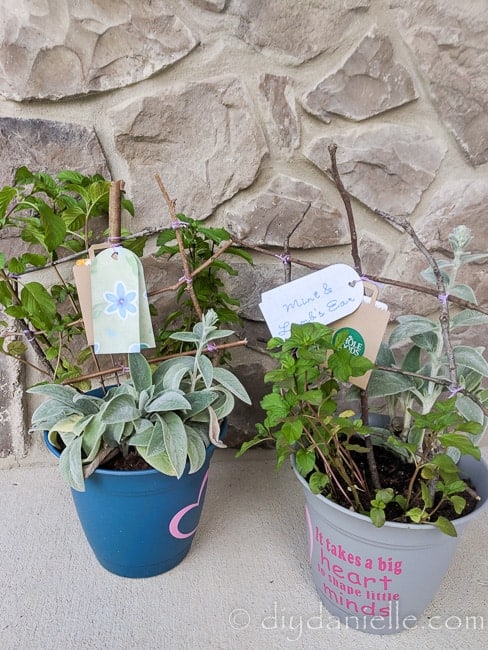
175,522
361,584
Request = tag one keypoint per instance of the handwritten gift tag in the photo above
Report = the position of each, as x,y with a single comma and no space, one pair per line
324,296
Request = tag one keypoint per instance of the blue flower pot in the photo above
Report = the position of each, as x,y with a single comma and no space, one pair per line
141,523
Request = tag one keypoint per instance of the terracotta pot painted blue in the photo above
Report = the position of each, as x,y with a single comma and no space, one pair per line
141,523
380,580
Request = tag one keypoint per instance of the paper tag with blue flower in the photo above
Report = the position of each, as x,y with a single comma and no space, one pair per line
120,309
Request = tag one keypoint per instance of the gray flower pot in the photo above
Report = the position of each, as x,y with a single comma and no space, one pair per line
380,580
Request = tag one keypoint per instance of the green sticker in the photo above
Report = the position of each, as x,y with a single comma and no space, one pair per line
354,341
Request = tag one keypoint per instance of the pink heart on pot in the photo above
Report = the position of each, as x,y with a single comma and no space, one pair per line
175,522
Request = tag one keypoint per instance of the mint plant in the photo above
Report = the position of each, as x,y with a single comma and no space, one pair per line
302,415
337,453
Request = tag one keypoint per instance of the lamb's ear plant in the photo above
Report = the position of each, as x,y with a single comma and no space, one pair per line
416,348
168,415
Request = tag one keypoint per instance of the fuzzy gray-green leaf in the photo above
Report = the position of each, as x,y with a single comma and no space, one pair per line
175,440
206,370
471,358
62,394
70,464
169,400
156,443
140,371
410,326
230,381
196,450
120,409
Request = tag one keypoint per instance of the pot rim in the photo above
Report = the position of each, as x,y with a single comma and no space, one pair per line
390,524
124,472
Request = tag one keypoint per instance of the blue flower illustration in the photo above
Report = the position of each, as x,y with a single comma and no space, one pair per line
120,301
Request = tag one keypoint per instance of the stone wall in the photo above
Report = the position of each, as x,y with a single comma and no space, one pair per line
233,103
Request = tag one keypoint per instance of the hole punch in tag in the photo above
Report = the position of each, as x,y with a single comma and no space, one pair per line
366,328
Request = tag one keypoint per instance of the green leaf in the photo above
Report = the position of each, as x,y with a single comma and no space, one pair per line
63,394
230,381
459,503
71,466
378,516
54,229
92,436
169,400
39,303
196,450
383,383
175,440
23,176
206,370
69,176
7,195
471,358
318,482
200,400
468,318
410,326
140,372
305,461
469,409
445,526
35,260
463,443
161,462
415,515
16,348
292,432
16,266
188,337
120,409
463,291
156,443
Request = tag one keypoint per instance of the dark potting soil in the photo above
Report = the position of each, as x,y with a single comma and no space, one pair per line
395,473
129,463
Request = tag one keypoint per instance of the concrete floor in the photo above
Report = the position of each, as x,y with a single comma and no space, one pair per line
244,585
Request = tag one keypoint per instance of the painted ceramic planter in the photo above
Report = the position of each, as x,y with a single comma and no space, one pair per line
380,580
141,523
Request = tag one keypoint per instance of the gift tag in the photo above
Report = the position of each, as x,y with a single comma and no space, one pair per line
323,296
120,309
81,274
366,328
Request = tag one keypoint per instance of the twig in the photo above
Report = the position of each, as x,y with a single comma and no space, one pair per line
123,370
363,396
222,248
444,320
186,267
346,199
